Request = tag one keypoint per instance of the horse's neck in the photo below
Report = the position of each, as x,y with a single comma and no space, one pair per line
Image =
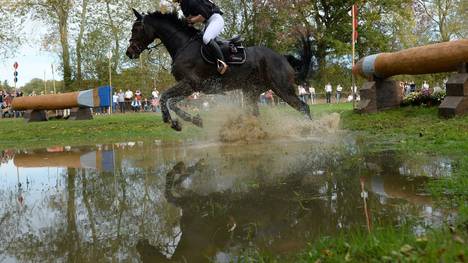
174,40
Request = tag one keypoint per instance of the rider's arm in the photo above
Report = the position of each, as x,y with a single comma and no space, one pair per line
200,11
196,19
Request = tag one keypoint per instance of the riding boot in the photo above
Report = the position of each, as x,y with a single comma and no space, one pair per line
216,51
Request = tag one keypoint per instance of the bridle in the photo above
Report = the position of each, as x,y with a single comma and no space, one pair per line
150,49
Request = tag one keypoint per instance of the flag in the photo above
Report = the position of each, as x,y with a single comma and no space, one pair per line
355,23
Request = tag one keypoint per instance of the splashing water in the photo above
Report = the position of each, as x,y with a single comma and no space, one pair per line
232,124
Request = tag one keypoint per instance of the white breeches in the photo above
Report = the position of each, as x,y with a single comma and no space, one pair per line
213,28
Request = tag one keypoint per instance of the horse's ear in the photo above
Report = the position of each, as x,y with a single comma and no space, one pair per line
138,15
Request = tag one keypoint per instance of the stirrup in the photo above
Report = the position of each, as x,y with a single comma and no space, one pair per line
222,67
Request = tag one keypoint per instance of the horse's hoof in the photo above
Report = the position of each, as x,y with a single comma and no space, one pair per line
176,125
197,121
165,119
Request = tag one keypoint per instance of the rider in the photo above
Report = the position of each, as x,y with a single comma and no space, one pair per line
205,11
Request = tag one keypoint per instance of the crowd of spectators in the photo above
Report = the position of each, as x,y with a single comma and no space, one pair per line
130,101
6,156
409,87
5,103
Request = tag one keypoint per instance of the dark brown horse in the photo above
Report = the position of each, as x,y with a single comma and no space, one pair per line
263,70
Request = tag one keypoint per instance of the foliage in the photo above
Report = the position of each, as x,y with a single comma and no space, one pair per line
9,41
318,33
442,20
422,98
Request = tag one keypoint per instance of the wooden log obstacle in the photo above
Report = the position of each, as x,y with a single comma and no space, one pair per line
380,92
79,103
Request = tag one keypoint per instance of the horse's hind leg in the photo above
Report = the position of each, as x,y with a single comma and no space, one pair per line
287,93
281,79
251,100
285,89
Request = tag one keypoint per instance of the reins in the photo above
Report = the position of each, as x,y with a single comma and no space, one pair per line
187,43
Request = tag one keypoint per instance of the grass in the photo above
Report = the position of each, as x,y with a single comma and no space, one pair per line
412,129
16,133
382,245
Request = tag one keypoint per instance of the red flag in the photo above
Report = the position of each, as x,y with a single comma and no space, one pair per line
355,23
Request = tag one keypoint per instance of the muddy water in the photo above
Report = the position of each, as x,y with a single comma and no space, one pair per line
192,202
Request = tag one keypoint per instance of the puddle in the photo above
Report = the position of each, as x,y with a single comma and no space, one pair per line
193,202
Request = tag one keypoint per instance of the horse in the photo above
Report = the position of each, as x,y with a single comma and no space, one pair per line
263,69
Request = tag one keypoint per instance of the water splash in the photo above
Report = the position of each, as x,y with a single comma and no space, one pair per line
232,125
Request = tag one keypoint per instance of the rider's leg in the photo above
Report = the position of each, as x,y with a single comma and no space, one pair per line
213,29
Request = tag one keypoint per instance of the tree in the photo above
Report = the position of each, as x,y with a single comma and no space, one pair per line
10,35
447,18
56,13
79,41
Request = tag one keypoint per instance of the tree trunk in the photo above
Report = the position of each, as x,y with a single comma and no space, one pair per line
115,33
79,43
62,14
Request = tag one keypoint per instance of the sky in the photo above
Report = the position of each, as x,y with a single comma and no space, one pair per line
32,59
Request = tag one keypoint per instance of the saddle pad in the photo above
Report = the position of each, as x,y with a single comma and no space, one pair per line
237,58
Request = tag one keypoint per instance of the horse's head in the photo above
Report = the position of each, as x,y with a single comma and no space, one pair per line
142,36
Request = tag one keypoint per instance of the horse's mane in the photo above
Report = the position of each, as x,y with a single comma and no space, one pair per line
173,18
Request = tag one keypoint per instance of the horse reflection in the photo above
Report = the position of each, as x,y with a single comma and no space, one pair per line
279,217
216,224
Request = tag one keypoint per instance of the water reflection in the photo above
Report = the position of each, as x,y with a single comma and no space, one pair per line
194,203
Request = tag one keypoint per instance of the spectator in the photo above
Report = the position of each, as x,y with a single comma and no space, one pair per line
302,93
138,95
312,94
269,97
425,89
339,89
412,87
263,98
121,101
406,89
128,98
328,91
115,102
1,98
146,105
155,104
136,105
155,94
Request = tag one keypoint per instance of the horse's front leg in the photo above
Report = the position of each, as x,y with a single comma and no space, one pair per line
169,100
180,90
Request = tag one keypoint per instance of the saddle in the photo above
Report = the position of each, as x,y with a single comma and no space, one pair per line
233,50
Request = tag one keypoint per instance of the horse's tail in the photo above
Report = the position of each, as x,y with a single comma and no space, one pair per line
294,62
297,65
